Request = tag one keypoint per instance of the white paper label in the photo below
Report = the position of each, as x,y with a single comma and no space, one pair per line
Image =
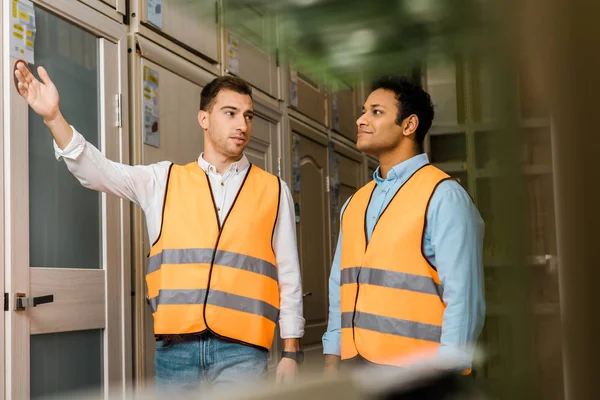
155,13
233,56
22,30
151,110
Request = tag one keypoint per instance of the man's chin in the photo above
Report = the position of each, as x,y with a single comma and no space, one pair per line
235,152
365,148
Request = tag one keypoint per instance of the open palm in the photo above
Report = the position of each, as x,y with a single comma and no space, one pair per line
41,97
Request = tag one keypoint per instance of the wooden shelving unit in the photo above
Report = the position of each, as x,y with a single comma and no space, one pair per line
464,142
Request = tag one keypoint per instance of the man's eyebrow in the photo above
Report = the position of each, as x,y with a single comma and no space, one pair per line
230,108
374,106
237,109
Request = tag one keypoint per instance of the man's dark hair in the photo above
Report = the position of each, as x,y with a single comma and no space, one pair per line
412,99
210,91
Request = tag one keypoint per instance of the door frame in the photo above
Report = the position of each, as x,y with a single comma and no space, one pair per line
115,215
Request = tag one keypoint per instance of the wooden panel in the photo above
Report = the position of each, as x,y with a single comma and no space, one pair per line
312,234
350,177
254,35
444,80
548,351
192,24
78,300
311,98
182,63
262,148
112,3
181,137
344,112
87,17
346,171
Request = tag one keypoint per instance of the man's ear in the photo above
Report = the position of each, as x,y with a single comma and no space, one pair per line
410,125
203,119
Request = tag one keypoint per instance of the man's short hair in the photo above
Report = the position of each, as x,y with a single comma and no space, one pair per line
412,99
212,89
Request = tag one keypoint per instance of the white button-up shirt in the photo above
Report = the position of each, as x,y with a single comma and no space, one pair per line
145,186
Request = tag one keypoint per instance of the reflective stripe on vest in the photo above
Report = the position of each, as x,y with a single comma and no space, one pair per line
201,276
391,297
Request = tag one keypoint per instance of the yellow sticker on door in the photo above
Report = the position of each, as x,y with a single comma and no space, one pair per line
22,25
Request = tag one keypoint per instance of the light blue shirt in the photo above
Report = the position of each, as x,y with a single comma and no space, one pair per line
453,243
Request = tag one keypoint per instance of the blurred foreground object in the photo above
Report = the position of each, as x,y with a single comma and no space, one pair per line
561,40
348,38
433,378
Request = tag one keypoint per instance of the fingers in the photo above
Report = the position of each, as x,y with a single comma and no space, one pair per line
27,75
22,88
21,78
44,75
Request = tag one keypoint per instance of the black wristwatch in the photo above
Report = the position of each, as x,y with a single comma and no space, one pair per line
297,356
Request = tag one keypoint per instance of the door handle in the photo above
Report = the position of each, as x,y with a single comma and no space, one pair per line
307,294
22,302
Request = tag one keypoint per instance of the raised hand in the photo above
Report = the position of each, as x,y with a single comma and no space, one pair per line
41,97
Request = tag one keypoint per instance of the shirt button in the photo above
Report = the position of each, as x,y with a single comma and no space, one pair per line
222,183
218,208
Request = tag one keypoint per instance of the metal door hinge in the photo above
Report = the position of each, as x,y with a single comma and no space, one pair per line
327,184
5,301
277,57
22,302
119,111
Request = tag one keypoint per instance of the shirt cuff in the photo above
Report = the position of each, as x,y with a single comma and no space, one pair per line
73,149
461,357
332,343
291,327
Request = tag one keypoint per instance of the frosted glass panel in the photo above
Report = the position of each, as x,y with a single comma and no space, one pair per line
65,218
63,363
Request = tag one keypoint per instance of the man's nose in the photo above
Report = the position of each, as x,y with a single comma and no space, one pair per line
362,120
243,125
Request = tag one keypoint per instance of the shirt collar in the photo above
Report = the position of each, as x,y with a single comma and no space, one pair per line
235,167
403,170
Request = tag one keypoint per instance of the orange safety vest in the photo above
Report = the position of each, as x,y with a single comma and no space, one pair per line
391,296
201,276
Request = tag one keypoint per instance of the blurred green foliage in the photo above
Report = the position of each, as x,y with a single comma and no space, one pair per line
348,39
